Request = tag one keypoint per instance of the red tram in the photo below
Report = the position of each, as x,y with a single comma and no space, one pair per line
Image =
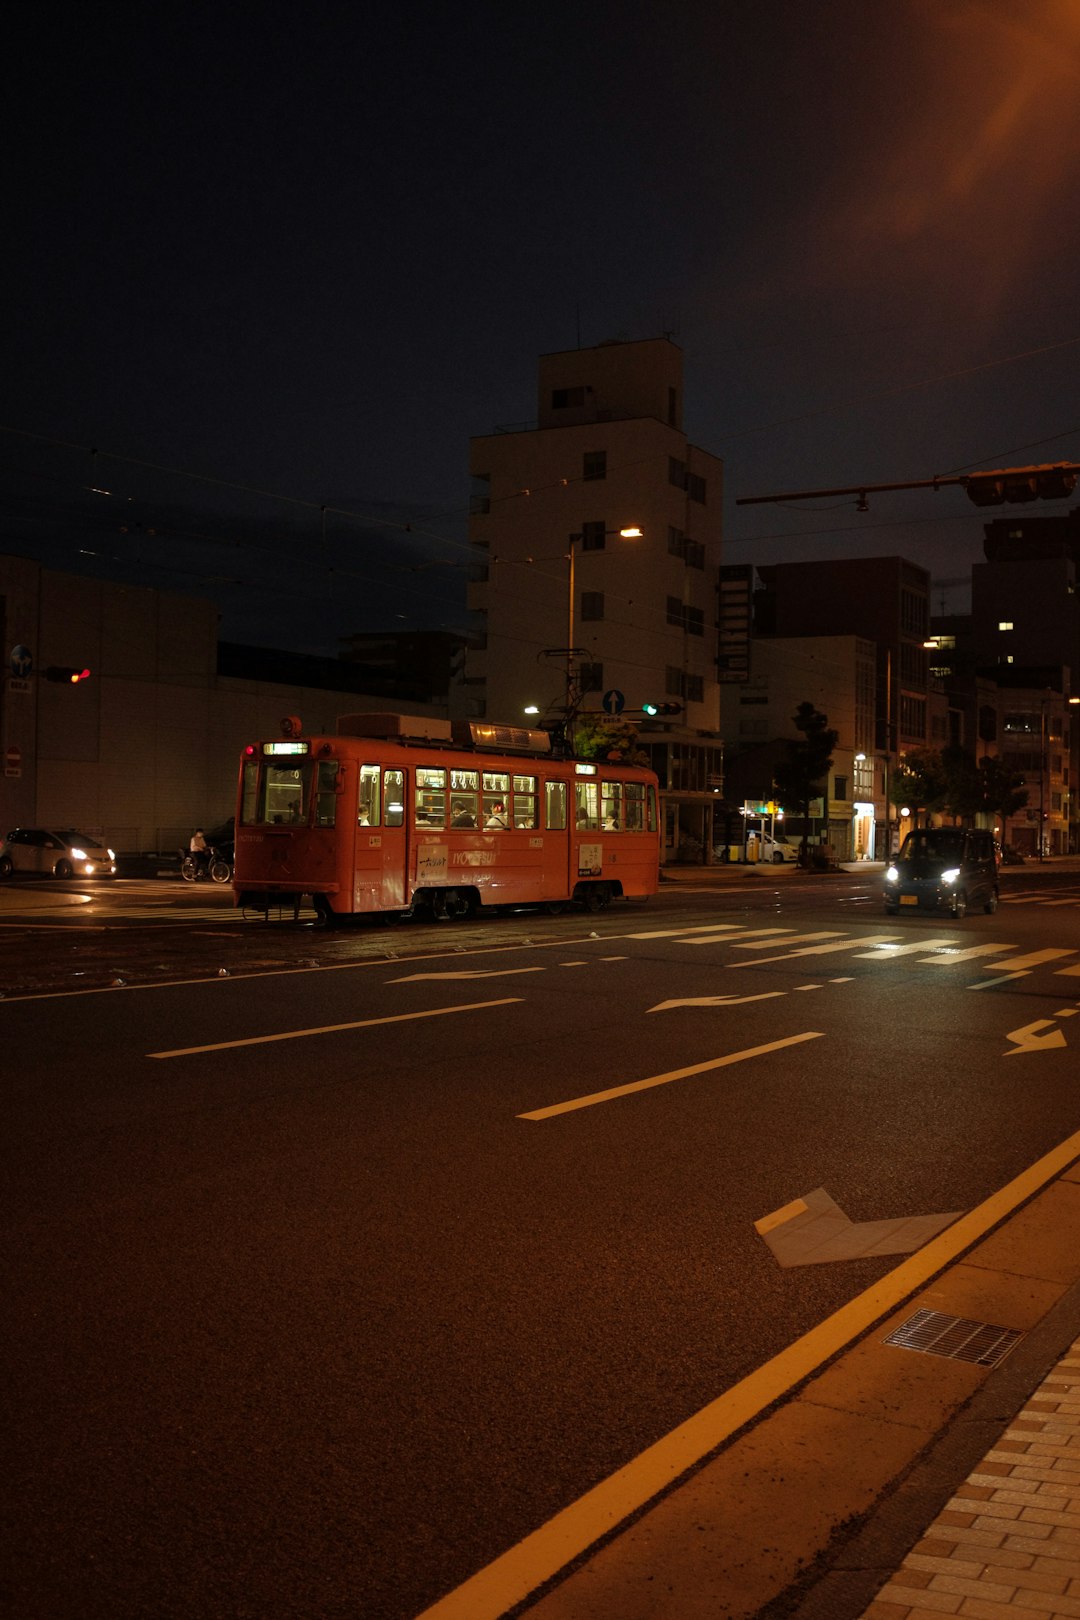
406,815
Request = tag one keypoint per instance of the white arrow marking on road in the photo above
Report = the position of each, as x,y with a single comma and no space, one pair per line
1028,1038
479,973
717,1001
812,1230
674,1074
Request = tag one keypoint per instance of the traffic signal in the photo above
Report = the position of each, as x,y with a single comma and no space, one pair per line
661,708
64,672
1046,483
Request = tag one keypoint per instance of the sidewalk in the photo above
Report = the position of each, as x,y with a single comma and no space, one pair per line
899,1481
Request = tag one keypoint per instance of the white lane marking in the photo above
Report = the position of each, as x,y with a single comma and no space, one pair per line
716,1001
673,1074
992,984
1032,959
947,956
792,939
517,1573
674,933
467,973
817,950
333,1029
788,934
887,951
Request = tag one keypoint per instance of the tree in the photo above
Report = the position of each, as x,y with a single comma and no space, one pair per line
803,772
919,781
598,737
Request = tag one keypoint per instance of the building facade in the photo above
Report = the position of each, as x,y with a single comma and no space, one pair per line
149,746
574,616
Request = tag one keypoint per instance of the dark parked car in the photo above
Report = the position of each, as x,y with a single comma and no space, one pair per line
943,869
61,854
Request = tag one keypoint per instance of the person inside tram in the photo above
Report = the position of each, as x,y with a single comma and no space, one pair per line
461,814
496,815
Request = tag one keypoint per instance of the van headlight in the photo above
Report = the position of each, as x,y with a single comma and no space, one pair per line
951,875
892,875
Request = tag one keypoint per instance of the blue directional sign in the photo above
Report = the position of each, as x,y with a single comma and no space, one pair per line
613,702
21,661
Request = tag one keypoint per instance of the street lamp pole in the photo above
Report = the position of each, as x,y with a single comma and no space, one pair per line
571,693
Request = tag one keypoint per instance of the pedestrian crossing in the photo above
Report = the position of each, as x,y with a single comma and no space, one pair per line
932,950
1040,897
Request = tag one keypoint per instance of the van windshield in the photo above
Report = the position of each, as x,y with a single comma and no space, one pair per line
934,844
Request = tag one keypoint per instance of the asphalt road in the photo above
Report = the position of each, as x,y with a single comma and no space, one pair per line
321,1298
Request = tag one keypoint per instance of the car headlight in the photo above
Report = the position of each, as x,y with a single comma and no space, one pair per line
892,875
951,875
111,853
78,854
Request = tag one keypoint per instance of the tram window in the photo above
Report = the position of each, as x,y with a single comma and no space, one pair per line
634,798
430,807
368,809
394,797
587,806
325,793
286,792
249,797
524,812
611,806
464,781
555,806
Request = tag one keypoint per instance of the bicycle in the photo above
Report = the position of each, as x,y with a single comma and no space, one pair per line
213,866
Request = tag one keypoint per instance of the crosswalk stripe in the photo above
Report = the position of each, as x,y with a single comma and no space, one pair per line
1032,959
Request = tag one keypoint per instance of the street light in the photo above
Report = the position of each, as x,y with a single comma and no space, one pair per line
623,534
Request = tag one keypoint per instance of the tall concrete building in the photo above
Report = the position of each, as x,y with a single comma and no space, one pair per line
573,614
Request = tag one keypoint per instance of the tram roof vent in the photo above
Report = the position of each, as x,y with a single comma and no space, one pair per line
501,739
403,726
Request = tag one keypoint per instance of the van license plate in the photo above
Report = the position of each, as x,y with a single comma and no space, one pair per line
909,899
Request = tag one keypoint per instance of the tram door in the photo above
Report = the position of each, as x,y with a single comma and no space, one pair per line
379,880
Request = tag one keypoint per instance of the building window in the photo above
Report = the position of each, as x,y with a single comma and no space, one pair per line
676,472
1005,624
592,677
592,604
594,464
840,787
563,398
912,716
695,487
690,619
480,494
676,541
593,536
695,554
694,689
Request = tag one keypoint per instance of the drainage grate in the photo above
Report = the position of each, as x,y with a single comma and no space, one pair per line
938,1335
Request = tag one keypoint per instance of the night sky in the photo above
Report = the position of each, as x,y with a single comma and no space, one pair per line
272,259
